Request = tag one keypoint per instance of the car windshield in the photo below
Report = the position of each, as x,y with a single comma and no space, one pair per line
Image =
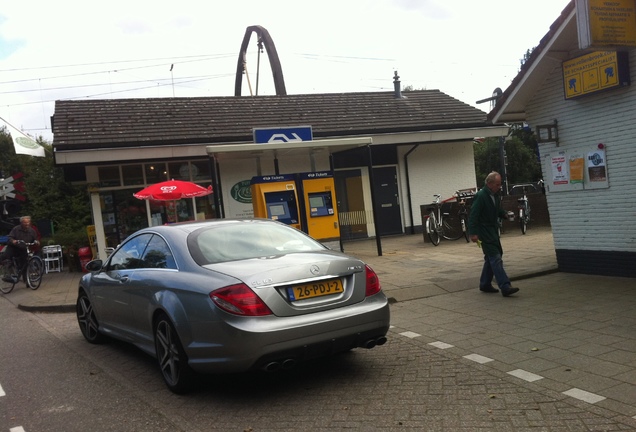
247,240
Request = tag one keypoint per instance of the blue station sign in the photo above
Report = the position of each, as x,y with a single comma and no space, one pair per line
283,134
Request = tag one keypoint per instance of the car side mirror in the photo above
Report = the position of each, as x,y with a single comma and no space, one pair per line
95,265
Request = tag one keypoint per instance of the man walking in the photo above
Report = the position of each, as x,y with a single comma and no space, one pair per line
484,229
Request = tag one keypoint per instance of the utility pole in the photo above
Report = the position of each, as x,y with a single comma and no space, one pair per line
496,94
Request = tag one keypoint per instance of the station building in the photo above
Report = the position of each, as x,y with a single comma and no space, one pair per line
416,144
575,91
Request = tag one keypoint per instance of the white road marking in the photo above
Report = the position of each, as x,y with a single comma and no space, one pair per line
441,345
525,375
584,396
478,358
410,334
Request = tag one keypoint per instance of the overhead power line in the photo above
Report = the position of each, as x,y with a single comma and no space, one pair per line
158,80
118,91
102,71
115,62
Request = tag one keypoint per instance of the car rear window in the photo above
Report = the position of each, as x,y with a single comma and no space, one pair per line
247,240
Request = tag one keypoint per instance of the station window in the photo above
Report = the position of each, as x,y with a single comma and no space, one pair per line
109,176
156,172
132,174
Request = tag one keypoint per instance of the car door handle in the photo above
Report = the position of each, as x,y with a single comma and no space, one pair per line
123,279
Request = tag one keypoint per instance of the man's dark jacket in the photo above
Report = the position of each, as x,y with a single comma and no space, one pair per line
483,221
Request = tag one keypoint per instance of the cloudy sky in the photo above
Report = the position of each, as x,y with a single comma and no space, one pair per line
77,49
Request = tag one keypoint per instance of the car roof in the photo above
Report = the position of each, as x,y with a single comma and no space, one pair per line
191,226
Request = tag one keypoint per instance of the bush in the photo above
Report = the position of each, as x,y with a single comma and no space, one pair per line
71,240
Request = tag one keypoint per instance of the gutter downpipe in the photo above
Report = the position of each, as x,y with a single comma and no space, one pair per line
331,168
408,185
216,186
378,240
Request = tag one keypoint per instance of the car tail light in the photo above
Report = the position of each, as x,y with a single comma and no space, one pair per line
373,282
239,299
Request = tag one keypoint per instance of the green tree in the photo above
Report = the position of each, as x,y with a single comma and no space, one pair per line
521,156
48,195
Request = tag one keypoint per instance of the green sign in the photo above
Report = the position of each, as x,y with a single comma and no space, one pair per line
242,192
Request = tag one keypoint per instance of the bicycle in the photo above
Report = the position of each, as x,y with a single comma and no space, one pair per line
462,196
523,206
440,224
10,271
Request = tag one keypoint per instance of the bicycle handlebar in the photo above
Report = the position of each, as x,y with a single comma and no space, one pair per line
524,186
28,244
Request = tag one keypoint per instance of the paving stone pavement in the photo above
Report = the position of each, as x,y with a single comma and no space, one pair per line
558,356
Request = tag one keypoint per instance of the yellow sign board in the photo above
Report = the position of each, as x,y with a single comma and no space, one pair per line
606,23
593,72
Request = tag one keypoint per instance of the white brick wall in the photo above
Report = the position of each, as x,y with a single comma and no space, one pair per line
600,219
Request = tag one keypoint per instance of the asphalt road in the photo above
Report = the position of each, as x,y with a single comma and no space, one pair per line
55,381
49,387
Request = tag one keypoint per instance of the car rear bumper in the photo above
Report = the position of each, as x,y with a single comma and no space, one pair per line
268,343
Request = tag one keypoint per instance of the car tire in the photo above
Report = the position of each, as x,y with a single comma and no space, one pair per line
172,359
87,320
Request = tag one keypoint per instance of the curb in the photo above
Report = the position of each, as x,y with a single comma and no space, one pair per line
393,300
48,308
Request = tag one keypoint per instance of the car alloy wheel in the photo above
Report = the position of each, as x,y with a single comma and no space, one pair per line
86,319
171,356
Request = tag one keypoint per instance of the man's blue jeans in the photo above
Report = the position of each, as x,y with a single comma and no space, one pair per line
493,266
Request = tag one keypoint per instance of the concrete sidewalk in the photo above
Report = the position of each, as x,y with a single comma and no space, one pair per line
408,268
566,333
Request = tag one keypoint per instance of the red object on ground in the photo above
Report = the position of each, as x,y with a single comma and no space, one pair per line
85,255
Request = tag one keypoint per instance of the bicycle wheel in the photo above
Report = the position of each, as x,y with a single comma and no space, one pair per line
35,270
431,229
464,222
451,228
523,221
8,277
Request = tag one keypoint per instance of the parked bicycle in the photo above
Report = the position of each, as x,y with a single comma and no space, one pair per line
462,196
449,226
10,272
523,205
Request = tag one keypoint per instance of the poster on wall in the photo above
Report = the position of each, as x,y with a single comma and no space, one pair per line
576,169
596,166
580,168
560,172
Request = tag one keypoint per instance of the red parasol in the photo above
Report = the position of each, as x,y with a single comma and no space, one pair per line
172,190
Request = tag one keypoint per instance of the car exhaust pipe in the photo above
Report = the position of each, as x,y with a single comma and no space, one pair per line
371,343
271,366
288,364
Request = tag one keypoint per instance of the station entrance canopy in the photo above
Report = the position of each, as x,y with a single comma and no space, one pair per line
275,150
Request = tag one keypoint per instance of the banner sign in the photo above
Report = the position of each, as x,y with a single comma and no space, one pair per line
606,23
594,72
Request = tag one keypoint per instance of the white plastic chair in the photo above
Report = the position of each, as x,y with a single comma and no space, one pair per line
52,256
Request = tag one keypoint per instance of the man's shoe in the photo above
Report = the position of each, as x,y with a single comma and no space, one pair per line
489,289
509,291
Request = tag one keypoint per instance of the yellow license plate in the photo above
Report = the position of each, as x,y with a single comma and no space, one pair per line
315,289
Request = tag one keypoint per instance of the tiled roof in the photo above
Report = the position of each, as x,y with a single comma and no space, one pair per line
137,122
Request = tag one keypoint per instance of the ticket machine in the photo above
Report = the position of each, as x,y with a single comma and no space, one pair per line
275,197
320,211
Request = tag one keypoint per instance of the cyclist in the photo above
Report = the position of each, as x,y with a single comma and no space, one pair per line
20,234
